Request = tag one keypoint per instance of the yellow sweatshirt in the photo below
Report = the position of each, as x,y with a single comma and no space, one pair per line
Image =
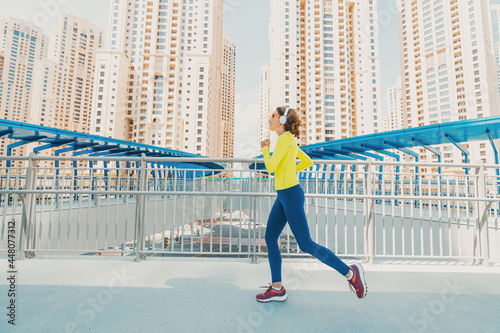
282,163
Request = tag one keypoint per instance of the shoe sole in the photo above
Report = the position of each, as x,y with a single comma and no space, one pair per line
362,278
273,299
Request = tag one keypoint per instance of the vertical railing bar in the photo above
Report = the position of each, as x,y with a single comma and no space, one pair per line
106,226
393,210
421,212
458,218
193,198
70,209
60,208
201,225
89,209
174,225
384,215
327,216
440,222
336,211
412,213
470,232
220,222
239,224
260,218
98,206
230,221
51,210
155,180
42,207
211,218
80,199
183,212
317,208
403,206
449,203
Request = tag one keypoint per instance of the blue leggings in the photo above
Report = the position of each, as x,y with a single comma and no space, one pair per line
290,206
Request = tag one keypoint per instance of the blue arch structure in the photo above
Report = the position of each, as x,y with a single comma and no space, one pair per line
376,145
94,145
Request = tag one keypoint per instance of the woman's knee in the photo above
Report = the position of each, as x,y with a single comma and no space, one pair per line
271,238
307,246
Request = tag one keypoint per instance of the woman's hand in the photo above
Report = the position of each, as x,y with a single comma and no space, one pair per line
264,143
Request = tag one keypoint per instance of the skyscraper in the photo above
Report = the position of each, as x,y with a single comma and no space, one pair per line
324,62
448,67
176,54
228,93
66,102
265,112
21,45
495,20
395,117
113,95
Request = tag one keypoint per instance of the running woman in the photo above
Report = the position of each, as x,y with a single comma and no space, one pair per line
289,206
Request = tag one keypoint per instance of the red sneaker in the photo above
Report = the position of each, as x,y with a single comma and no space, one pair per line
272,295
358,283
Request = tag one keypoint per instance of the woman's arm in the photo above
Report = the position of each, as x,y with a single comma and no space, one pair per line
306,161
280,150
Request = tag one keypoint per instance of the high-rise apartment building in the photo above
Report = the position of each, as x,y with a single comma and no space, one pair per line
2,61
395,101
21,45
44,110
176,54
448,67
385,124
66,101
325,63
495,20
265,111
228,95
113,96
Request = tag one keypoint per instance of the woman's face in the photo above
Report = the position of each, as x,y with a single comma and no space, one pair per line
274,122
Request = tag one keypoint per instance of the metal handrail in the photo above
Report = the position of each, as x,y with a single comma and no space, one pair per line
366,203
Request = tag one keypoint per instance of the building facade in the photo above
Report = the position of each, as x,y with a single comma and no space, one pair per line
21,46
73,65
325,63
112,107
228,95
495,21
448,68
176,52
265,111
395,112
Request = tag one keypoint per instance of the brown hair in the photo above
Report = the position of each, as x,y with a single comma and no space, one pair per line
292,120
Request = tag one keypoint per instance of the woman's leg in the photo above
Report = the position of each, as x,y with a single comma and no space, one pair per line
293,202
275,225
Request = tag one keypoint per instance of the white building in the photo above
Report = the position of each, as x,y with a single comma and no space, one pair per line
448,68
176,52
385,124
66,101
495,20
21,45
111,108
228,94
45,97
394,98
265,111
325,63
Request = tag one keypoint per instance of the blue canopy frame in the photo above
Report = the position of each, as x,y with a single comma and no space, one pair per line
93,145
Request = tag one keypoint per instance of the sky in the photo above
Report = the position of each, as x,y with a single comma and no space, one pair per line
246,22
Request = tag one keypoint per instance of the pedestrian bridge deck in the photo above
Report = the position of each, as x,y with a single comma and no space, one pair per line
172,294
